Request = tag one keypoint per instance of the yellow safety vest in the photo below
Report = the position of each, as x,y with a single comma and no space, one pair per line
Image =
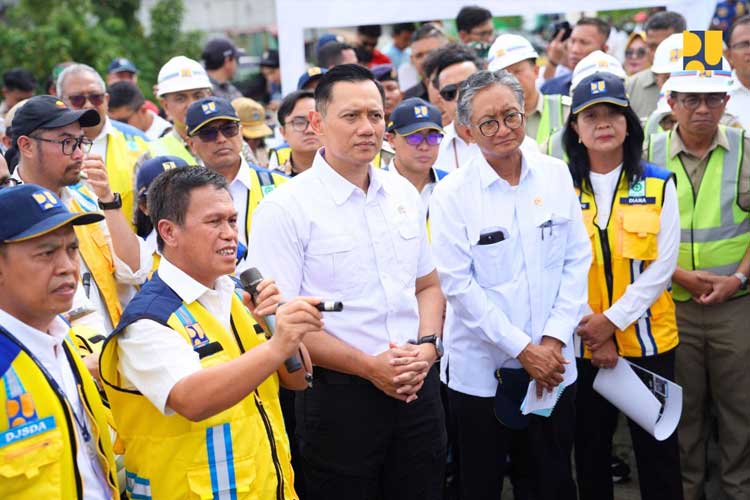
38,442
282,154
262,182
122,155
621,252
242,452
714,230
96,252
170,145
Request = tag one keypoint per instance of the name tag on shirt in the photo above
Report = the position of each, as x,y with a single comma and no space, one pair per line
27,430
637,195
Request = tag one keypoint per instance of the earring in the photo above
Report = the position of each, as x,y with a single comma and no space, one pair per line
579,140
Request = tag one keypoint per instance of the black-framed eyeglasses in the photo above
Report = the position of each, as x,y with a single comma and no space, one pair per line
8,182
69,144
449,92
512,120
693,101
636,53
432,139
210,134
79,100
299,123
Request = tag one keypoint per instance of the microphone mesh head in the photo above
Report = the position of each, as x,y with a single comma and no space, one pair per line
250,279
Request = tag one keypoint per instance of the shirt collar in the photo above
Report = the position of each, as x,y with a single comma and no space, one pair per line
338,186
738,86
488,176
677,146
178,280
107,129
38,342
243,175
649,78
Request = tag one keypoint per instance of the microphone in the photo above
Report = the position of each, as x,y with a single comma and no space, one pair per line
250,280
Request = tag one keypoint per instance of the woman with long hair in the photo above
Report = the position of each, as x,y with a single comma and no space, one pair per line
630,210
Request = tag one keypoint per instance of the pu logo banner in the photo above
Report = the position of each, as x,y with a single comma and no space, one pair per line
420,112
45,200
209,107
702,50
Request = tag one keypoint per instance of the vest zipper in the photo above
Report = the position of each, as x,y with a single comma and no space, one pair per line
272,442
607,257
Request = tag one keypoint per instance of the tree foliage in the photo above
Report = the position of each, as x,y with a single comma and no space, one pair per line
38,34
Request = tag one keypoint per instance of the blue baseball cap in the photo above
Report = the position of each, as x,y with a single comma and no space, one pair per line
601,87
384,72
152,168
121,64
312,74
414,114
207,110
30,211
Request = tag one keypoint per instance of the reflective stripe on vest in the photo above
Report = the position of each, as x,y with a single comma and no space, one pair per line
241,452
715,231
555,146
38,441
632,244
552,117
97,255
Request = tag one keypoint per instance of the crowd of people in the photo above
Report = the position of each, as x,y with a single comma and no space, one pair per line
347,292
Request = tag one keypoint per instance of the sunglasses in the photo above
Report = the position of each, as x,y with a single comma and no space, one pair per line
432,139
211,134
449,92
79,100
636,53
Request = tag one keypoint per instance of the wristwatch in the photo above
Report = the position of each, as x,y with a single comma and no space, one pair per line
742,278
115,204
434,340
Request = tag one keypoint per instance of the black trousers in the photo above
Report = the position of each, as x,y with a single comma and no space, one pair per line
357,443
658,461
541,453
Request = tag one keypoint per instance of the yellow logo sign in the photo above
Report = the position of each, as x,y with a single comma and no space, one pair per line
186,72
60,104
208,107
168,165
420,111
702,50
598,87
314,71
46,200
499,52
674,55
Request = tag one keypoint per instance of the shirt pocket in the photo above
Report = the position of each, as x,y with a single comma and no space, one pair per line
553,234
408,246
333,261
639,235
200,484
493,264
33,464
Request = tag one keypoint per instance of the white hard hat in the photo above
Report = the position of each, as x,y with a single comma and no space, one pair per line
668,55
508,50
701,81
595,62
181,73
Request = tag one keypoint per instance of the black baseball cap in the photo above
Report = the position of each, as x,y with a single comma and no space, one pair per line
217,50
415,114
49,112
601,87
270,58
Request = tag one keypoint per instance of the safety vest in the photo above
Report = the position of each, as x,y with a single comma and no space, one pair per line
282,154
652,125
714,230
555,146
170,145
621,252
38,441
122,155
553,117
240,453
95,251
262,182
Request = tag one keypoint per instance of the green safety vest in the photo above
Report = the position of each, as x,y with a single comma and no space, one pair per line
555,146
169,145
714,230
552,117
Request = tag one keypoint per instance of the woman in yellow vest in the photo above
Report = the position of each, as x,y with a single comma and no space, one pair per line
631,213
54,440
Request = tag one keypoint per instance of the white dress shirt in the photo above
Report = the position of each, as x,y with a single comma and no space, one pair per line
454,152
152,358
503,296
320,235
48,349
639,295
239,188
739,102
157,128
100,142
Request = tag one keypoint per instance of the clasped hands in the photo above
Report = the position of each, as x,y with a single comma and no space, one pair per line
401,370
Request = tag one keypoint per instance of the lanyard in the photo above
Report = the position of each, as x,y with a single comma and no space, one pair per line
81,423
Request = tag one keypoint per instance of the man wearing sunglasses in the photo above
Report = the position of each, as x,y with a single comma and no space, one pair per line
53,151
214,135
81,87
711,163
415,133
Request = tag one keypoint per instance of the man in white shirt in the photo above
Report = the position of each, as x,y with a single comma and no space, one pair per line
373,422
737,53
513,255
54,419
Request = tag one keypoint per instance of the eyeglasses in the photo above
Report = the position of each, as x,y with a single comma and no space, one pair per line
8,181
636,53
299,123
512,120
211,134
432,139
743,45
79,100
69,144
712,101
449,92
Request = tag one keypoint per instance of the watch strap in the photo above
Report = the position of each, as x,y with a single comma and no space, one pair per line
115,204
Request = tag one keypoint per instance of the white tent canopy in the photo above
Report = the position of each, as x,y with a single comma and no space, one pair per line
294,16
